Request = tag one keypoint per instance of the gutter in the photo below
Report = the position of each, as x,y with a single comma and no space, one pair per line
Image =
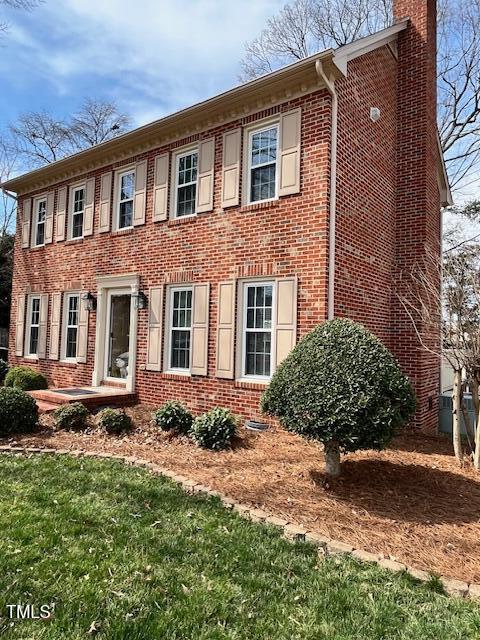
330,85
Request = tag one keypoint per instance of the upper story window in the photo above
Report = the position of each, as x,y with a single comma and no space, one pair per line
72,306
186,184
257,340
39,222
180,328
33,325
77,210
262,164
125,195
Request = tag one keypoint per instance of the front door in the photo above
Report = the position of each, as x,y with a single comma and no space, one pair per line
118,335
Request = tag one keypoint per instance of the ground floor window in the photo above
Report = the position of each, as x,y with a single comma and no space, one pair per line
258,301
33,325
72,306
180,328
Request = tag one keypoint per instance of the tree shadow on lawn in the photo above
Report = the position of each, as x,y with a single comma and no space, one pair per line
410,493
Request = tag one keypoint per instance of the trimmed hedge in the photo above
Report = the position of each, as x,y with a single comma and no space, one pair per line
71,416
18,412
25,378
173,416
114,421
341,385
214,429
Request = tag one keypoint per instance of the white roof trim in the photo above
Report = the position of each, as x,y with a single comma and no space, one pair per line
343,55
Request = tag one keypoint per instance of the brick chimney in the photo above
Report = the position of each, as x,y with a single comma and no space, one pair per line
418,201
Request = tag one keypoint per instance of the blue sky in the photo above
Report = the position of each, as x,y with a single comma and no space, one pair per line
151,56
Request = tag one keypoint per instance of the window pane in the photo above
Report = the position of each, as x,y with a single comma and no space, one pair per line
187,169
78,200
35,311
127,186
40,239
42,207
126,210
77,225
258,350
33,346
186,200
71,351
263,183
264,147
180,349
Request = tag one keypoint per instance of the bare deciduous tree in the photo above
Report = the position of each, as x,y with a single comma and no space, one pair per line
303,27
26,5
40,139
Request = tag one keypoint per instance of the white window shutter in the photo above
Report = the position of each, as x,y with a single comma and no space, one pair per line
140,199
206,161
26,222
290,131
61,217
42,329
55,313
160,188
82,341
286,317
20,325
105,202
231,168
155,324
226,330
199,355
49,217
89,206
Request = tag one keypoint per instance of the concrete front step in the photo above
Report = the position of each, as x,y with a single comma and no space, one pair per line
91,397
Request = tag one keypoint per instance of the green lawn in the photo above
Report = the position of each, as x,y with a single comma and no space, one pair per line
114,545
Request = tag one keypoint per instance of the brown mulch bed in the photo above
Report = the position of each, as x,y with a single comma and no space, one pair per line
411,502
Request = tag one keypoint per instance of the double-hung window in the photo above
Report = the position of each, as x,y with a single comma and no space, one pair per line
262,164
77,210
180,328
125,196
72,306
186,184
33,325
258,305
39,228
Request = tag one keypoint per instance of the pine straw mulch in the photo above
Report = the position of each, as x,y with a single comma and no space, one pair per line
411,502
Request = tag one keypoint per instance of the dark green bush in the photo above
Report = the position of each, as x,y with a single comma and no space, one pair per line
25,378
18,412
71,416
340,385
3,370
114,421
173,416
214,429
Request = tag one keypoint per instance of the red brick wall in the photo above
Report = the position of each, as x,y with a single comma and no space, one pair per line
281,238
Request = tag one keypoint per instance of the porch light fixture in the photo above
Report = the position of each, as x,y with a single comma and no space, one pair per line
139,300
89,301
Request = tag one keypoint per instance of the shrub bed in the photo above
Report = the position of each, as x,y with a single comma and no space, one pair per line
25,378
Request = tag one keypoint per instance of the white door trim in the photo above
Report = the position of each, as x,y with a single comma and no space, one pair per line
105,286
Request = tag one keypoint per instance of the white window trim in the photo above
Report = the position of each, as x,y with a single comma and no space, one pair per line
169,327
117,182
31,298
177,154
241,328
65,325
36,202
71,197
250,131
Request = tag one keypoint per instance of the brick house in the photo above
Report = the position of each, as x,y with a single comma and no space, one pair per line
185,258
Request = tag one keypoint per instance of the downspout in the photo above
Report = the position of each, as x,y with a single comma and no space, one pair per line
330,85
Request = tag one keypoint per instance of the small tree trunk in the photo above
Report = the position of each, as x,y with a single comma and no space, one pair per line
468,426
332,459
456,412
476,404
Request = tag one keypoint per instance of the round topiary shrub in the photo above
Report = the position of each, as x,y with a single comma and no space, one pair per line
18,412
3,370
214,429
71,416
173,416
25,378
114,421
340,385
